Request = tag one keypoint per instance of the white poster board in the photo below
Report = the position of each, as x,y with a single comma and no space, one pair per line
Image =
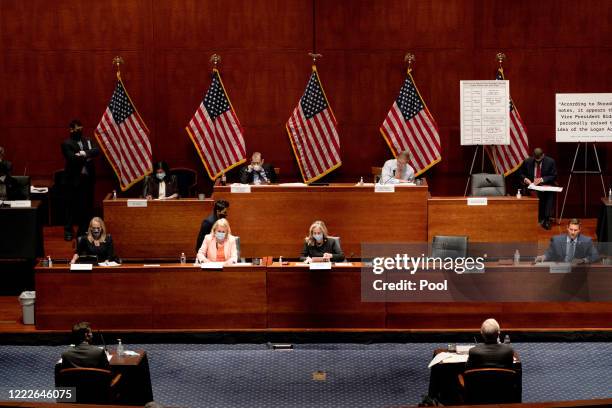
584,117
485,112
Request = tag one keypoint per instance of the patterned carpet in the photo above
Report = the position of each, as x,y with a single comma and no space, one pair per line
377,375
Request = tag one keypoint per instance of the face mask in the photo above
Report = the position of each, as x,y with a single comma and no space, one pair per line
257,167
160,176
318,237
77,134
220,235
96,232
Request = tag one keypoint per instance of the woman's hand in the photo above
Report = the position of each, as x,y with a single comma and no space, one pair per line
74,258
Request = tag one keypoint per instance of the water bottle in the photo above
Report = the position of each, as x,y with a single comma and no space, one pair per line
114,194
280,260
518,193
517,257
49,261
223,179
610,194
361,181
507,339
119,348
183,258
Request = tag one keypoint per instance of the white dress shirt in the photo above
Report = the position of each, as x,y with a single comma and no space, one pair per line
389,170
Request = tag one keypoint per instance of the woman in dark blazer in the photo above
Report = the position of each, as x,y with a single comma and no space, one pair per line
318,244
96,242
162,185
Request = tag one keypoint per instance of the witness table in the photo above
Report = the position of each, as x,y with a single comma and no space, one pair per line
503,219
161,230
273,220
135,383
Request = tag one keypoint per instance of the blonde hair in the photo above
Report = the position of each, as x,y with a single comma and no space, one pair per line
221,222
100,221
317,224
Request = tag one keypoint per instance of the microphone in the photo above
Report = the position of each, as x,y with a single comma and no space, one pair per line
102,338
25,170
488,180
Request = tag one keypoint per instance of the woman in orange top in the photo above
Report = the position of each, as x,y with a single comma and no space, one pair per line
219,245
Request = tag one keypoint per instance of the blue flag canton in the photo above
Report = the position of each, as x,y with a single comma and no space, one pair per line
408,100
499,75
120,105
215,100
313,101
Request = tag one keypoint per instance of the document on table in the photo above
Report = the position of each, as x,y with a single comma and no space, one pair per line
292,185
108,263
545,188
446,358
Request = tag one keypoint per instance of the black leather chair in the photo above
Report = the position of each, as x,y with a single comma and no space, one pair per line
449,246
93,385
490,386
24,186
187,180
485,184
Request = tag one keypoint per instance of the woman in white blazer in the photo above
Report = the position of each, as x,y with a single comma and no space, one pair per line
219,245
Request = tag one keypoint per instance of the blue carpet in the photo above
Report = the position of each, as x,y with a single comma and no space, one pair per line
378,375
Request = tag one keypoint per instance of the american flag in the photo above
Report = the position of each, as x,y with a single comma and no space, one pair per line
216,132
313,132
124,138
508,158
410,126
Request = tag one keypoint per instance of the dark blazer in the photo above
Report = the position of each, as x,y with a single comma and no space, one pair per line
490,356
13,189
205,229
549,170
75,164
85,355
246,177
151,186
104,252
558,246
329,245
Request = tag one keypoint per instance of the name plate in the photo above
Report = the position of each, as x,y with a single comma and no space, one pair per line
564,267
211,265
20,203
384,188
81,267
317,266
477,201
135,202
240,188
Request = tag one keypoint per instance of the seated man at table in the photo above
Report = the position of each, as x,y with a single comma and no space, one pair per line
97,241
571,247
219,245
397,171
491,353
318,245
220,209
84,354
540,170
257,172
9,187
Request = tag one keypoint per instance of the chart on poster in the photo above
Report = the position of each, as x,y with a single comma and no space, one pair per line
485,112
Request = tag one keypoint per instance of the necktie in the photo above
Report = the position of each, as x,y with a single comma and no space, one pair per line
538,170
571,250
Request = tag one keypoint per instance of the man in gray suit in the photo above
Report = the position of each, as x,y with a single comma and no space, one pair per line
571,247
84,354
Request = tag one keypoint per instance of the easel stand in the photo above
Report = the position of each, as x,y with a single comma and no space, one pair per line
472,167
585,172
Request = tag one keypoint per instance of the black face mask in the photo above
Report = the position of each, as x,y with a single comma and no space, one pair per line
96,232
76,135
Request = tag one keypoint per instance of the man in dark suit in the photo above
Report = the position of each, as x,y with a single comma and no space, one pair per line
84,354
9,187
492,353
219,211
257,172
571,247
541,170
79,179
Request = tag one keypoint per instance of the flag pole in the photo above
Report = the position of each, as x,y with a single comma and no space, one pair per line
118,61
409,59
314,57
215,59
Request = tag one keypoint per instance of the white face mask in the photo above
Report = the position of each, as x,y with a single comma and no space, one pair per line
257,167
318,237
220,235
160,176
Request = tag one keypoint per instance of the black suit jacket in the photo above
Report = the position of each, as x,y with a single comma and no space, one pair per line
495,355
246,177
329,245
151,186
205,229
104,252
549,170
85,355
75,164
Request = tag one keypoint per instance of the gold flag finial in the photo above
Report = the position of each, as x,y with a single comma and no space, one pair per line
314,57
215,59
500,58
118,61
409,58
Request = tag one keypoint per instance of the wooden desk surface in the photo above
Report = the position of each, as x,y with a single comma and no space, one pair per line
503,219
274,220
162,230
